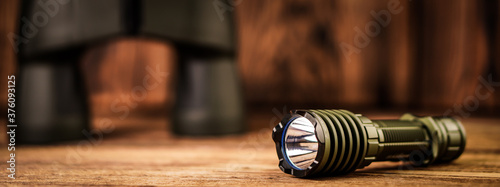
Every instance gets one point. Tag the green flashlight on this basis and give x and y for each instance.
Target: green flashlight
(334, 142)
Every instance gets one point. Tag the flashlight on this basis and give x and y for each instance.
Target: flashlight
(334, 142)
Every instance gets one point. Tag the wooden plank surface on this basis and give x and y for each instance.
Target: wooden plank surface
(139, 152)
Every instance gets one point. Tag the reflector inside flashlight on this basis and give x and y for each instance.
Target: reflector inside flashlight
(301, 144)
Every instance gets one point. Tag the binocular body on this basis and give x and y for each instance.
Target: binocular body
(53, 36)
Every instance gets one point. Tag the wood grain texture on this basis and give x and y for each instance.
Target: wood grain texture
(429, 55)
(288, 53)
(144, 153)
(8, 24)
(113, 69)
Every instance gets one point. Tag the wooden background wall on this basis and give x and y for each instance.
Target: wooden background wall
(429, 56)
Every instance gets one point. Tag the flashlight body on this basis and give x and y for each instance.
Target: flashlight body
(402, 140)
(348, 141)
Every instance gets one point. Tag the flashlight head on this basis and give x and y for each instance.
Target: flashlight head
(321, 142)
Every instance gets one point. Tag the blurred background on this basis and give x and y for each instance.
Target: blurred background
(429, 57)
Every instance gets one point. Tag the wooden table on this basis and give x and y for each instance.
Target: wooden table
(139, 152)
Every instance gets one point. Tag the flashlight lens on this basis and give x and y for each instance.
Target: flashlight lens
(301, 144)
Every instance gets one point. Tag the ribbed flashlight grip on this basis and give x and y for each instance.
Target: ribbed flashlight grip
(402, 140)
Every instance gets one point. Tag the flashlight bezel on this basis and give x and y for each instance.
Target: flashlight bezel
(284, 163)
(284, 146)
